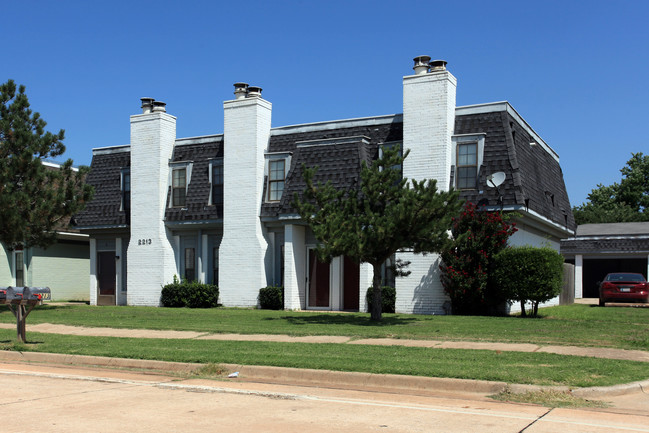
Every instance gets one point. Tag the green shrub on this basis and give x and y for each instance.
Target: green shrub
(388, 298)
(189, 294)
(271, 298)
(528, 274)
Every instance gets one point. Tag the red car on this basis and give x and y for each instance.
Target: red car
(623, 287)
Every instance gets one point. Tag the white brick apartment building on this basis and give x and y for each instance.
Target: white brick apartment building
(218, 208)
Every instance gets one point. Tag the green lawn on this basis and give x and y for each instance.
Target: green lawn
(579, 325)
(511, 367)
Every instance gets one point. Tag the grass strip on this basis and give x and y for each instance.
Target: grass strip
(577, 325)
(511, 367)
(549, 399)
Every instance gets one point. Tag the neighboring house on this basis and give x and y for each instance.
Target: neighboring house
(218, 208)
(598, 249)
(63, 266)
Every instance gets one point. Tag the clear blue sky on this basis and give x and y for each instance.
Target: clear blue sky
(577, 71)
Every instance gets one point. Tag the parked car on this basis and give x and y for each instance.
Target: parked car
(623, 287)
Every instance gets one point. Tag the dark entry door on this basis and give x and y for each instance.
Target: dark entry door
(351, 275)
(318, 282)
(106, 278)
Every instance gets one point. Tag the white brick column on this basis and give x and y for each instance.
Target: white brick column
(151, 262)
(366, 279)
(93, 271)
(428, 124)
(579, 276)
(243, 248)
(294, 267)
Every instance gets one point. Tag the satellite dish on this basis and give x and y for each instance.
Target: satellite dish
(496, 179)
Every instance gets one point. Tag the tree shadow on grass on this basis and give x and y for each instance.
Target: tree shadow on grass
(345, 319)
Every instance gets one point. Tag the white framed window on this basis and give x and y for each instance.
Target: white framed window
(467, 165)
(179, 179)
(467, 155)
(277, 166)
(179, 187)
(276, 177)
(391, 145)
(125, 188)
(216, 183)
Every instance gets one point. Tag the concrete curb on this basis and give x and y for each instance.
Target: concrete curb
(324, 378)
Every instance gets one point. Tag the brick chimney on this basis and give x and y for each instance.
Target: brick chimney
(150, 254)
(428, 121)
(246, 131)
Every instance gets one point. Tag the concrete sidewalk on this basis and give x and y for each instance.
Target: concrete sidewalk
(596, 352)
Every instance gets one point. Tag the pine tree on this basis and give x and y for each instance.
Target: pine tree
(34, 199)
(370, 223)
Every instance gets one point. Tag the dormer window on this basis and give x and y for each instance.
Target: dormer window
(216, 182)
(125, 187)
(276, 176)
(467, 165)
(179, 187)
(277, 165)
(467, 154)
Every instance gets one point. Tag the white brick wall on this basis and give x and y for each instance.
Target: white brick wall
(294, 267)
(243, 248)
(151, 262)
(428, 123)
(421, 292)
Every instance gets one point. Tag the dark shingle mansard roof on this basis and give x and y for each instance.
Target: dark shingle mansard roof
(105, 177)
(337, 153)
(200, 152)
(533, 175)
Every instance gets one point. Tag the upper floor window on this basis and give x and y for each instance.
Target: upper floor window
(216, 182)
(276, 176)
(467, 154)
(467, 165)
(179, 187)
(126, 190)
(389, 146)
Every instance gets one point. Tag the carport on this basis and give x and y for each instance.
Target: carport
(598, 249)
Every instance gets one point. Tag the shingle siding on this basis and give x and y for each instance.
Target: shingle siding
(105, 177)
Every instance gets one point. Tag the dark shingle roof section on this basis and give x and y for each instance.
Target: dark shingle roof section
(533, 177)
(497, 157)
(338, 162)
(605, 245)
(608, 238)
(541, 178)
(105, 177)
(198, 190)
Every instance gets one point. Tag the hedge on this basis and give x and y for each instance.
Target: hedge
(189, 294)
(388, 298)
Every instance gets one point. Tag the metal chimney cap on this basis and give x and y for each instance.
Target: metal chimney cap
(254, 92)
(159, 106)
(147, 105)
(438, 65)
(240, 90)
(421, 64)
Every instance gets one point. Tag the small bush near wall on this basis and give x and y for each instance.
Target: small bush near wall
(271, 298)
(528, 274)
(189, 294)
(388, 298)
